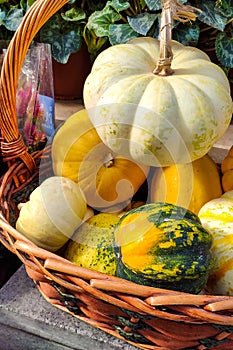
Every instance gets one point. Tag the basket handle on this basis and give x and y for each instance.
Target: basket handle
(12, 145)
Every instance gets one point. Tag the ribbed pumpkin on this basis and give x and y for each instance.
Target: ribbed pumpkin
(189, 185)
(157, 118)
(108, 180)
(163, 245)
(217, 217)
(227, 171)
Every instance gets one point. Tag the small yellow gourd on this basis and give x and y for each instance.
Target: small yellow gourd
(227, 171)
(188, 185)
(91, 245)
(54, 210)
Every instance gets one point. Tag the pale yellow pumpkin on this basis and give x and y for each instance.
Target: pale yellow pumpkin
(54, 210)
(154, 119)
(217, 217)
(189, 185)
(108, 181)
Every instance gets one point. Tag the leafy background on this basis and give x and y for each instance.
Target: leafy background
(121, 20)
(104, 23)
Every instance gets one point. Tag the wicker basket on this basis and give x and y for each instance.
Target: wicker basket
(146, 317)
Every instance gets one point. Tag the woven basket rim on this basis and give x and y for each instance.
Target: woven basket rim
(75, 289)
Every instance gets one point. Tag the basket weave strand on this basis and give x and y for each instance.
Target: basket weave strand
(146, 317)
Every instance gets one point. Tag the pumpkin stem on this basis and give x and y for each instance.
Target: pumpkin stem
(109, 160)
(171, 9)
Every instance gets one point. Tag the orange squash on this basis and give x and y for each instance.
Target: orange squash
(108, 180)
(188, 185)
(227, 171)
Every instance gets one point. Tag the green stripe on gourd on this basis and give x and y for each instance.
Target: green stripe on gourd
(91, 245)
(163, 245)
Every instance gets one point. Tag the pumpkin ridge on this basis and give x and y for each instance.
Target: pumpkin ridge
(170, 148)
(203, 137)
(143, 80)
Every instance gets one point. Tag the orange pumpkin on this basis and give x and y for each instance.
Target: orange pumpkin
(108, 181)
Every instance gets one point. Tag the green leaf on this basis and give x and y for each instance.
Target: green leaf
(24, 4)
(2, 17)
(119, 5)
(74, 15)
(187, 34)
(142, 4)
(225, 7)
(100, 21)
(30, 2)
(121, 33)
(142, 22)
(153, 5)
(211, 16)
(94, 44)
(13, 19)
(62, 45)
(224, 49)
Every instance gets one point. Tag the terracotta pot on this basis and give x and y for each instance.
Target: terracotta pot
(69, 78)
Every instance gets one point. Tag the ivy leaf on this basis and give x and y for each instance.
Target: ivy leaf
(225, 3)
(62, 45)
(119, 5)
(2, 17)
(225, 7)
(142, 22)
(74, 15)
(99, 21)
(224, 49)
(30, 2)
(121, 33)
(211, 16)
(153, 5)
(13, 19)
(187, 34)
(94, 44)
(142, 4)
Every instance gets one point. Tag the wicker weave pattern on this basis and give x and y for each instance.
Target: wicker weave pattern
(149, 318)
